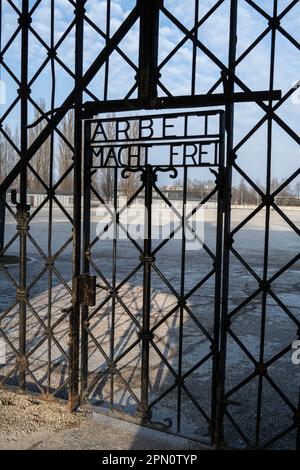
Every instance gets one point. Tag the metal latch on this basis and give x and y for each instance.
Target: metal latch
(85, 290)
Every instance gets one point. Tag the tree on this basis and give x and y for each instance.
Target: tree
(41, 160)
(242, 190)
(274, 184)
(65, 152)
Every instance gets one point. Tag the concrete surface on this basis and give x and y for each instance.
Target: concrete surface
(280, 330)
(27, 422)
(106, 433)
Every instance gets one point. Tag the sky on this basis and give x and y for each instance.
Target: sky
(176, 74)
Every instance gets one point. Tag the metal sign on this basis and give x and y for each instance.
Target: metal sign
(182, 139)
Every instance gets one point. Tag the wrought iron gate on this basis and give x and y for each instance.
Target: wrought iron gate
(171, 345)
(124, 61)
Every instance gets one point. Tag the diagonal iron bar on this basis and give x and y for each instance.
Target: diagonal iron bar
(69, 101)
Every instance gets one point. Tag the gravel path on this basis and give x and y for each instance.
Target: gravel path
(23, 417)
(30, 423)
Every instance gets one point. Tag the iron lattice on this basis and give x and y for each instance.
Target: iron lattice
(150, 69)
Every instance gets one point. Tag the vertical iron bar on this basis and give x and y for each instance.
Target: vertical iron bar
(218, 282)
(195, 48)
(86, 249)
(22, 212)
(182, 288)
(75, 311)
(106, 70)
(148, 178)
(50, 215)
(261, 368)
(113, 300)
(148, 51)
(114, 283)
(229, 110)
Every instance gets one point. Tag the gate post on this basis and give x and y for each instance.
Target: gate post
(77, 181)
(148, 178)
(22, 208)
(230, 156)
(148, 52)
(86, 250)
(216, 377)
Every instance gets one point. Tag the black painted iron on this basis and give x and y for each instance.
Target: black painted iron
(148, 92)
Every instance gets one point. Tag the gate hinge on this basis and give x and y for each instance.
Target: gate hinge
(85, 290)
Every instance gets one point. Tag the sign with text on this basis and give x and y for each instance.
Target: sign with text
(184, 139)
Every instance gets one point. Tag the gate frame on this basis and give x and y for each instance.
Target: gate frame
(148, 172)
(147, 99)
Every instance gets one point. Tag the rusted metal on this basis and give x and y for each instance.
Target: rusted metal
(85, 290)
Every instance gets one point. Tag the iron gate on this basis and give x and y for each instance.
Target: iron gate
(157, 370)
(131, 64)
